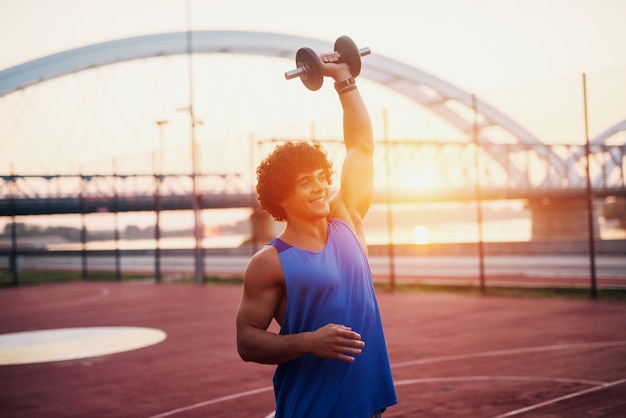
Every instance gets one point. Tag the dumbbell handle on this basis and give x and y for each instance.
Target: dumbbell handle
(296, 72)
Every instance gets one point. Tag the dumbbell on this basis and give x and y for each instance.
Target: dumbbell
(309, 65)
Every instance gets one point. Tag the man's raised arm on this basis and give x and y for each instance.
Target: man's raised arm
(357, 173)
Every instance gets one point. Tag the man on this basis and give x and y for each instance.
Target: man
(314, 278)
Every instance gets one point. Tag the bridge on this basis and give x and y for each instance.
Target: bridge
(499, 159)
(453, 172)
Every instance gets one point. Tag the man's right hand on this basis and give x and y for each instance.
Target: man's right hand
(336, 342)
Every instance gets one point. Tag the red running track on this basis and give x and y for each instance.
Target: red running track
(452, 355)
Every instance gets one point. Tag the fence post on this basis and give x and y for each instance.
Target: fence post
(479, 209)
(14, 256)
(83, 229)
(592, 250)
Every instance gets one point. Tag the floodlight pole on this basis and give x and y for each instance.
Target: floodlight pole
(14, 256)
(390, 247)
(479, 210)
(592, 251)
(116, 229)
(197, 204)
(158, 179)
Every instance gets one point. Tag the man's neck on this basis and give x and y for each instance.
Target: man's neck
(306, 234)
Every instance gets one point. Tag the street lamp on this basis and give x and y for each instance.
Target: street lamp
(158, 179)
(160, 124)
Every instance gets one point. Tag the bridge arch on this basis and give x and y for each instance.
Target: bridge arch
(444, 99)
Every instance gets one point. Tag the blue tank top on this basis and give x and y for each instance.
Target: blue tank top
(332, 286)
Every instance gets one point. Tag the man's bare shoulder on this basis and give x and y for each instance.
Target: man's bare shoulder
(266, 254)
(264, 265)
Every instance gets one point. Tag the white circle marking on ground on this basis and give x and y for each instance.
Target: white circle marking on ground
(73, 343)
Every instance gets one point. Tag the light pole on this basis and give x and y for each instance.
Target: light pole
(477, 191)
(160, 124)
(157, 197)
(196, 197)
(390, 247)
(197, 204)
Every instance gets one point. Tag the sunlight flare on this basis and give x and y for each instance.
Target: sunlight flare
(420, 235)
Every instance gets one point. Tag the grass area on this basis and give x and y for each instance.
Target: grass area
(31, 277)
(43, 277)
(37, 277)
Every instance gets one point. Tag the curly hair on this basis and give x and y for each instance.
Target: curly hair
(277, 173)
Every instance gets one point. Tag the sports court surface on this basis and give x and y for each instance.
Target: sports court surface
(168, 350)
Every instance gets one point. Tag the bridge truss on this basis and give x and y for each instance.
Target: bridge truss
(418, 172)
(523, 166)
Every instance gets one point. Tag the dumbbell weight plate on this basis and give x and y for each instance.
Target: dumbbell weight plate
(312, 77)
(349, 54)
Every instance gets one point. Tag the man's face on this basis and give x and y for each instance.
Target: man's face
(309, 198)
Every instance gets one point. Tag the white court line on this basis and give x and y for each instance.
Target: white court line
(436, 360)
(212, 401)
(433, 380)
(559, 399)
(102, 294)
(487, 378)
(508, 352)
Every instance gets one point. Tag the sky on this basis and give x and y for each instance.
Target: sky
(480, 44)
(525, 58)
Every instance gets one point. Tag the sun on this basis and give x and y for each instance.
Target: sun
(420, 235)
